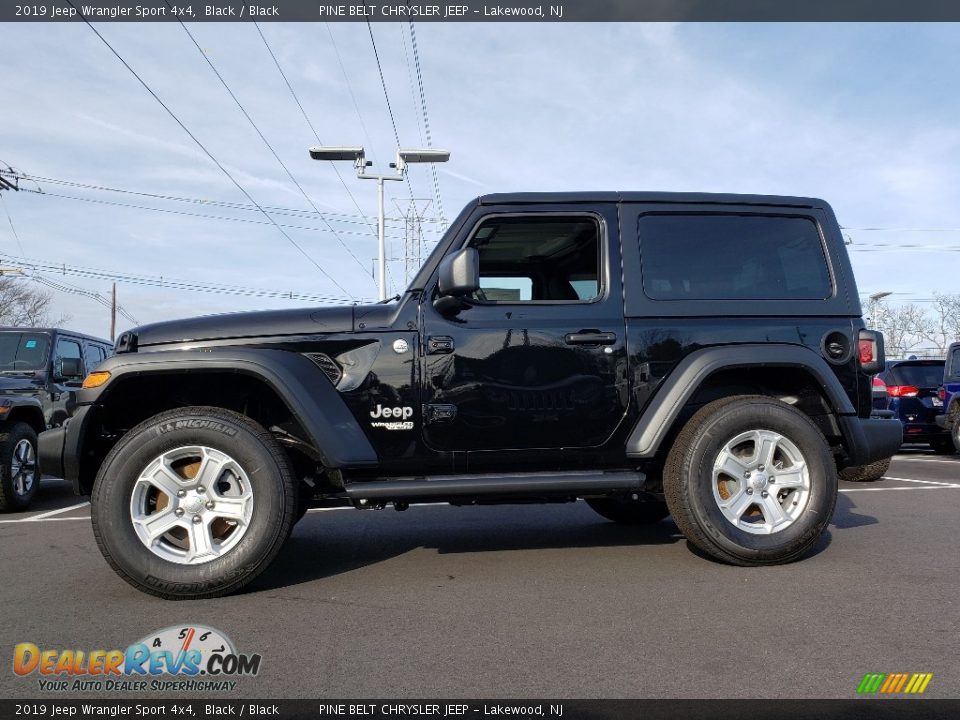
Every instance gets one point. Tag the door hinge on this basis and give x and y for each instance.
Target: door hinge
(439, 345)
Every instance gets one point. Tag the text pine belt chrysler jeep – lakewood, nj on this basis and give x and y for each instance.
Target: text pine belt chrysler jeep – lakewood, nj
(694, 355)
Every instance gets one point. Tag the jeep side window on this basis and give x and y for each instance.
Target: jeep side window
(538, 258)
(66, 349)
(732, 257)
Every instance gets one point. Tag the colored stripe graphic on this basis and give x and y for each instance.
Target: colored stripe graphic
(894, 683)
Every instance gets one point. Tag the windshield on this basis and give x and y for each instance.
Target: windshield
(23, 350)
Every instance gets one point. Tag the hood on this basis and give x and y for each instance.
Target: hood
(15, 384)
(236, 326)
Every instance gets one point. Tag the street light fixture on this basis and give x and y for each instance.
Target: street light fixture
(358, 156)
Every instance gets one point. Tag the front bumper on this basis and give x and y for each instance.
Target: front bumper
(61, 449)
(871, 439)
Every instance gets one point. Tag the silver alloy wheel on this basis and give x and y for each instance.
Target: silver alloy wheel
(761, 482)
(23, 467)
(191, 505)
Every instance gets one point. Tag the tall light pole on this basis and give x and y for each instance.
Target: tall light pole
(875, 299)
(360, 162)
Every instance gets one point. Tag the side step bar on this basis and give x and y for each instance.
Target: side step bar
(539, 483)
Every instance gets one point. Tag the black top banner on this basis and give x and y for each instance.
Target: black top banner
(193, 709)
(469, 11)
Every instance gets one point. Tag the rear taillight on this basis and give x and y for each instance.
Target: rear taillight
(879, 384)
(902, 390)
(941, 393)
(870, 351)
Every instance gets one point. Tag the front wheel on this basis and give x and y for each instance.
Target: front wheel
(750, 480)
(19, 469)
(193, 503)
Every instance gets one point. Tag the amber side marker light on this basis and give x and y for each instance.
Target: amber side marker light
(96, 379)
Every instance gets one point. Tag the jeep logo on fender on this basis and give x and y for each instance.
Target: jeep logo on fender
(397, 412)
(196, 425)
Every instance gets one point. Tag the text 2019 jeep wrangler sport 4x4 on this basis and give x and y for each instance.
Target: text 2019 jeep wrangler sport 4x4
(696, 355)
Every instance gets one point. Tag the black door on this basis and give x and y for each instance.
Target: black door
(536, 361)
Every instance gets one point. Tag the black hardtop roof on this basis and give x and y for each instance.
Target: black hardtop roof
(649, 196)
(58, 331)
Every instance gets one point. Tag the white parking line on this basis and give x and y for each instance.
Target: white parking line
(912, 458)
(925, 482)
(919, 487)
(46, 515)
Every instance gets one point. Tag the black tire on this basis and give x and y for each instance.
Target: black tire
(19, 480)
(943, 446)
(688, 481)
(866, 473)
(629, 513)
(257, 453)
(955, 434)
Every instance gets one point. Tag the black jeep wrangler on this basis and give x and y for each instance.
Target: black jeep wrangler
(695, 355)
(40, 370)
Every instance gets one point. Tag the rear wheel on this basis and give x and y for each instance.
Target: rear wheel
(19, 469)
(750, 480)
(193, 503)
(628, 512)
(866, 473)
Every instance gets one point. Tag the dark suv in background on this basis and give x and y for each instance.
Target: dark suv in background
(910, 390)
(40, 370)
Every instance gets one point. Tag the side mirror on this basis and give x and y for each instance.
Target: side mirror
(69, 369)
(460, 273)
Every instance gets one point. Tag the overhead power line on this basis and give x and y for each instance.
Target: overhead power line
(309, 123)
(166, 282)
(426, 118)
(204, 149)
(222, 218)
(74, 290)
(273, 210)
(266, 142)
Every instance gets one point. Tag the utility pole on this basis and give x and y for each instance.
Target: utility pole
(413, 220)
(113, 313)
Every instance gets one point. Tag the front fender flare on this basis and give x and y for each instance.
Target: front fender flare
(300, 384)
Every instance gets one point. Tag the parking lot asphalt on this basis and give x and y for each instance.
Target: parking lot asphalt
(532, 601)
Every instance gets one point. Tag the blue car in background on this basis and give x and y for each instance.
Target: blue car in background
(950, 396)
(911, 389)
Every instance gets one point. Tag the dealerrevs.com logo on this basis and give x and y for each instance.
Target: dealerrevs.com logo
(187, 658)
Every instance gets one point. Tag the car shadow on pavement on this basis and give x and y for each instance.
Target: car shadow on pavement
(319, 549)
(846, 516)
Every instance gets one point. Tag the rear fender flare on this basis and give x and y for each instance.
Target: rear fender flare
(683, 382)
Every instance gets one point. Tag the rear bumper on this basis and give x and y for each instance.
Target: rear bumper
(941, 421)
(871, 439)
(60, 448)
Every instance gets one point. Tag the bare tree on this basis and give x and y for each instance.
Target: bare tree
(24, 305)
(904, 327)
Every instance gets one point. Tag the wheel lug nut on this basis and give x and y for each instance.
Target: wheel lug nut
(749, 491)
(181, 493)
(764, 494)
(760, 468)
(772, 479)
(210, 505)
(201, 490)
(178, 512)
(746, 474)
(197, 519)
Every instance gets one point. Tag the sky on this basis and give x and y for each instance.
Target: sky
(862, 115)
